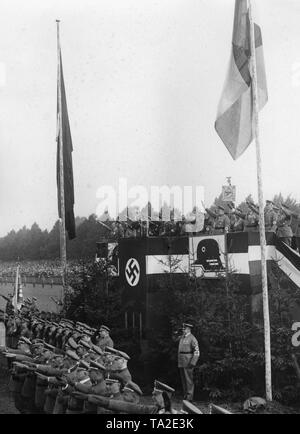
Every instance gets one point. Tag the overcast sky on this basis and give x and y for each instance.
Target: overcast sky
(143, 81)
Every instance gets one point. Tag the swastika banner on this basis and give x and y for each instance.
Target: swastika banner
(132, 272)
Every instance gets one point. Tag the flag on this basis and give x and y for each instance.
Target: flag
(64, 138)
(235, 112)
(18, 293)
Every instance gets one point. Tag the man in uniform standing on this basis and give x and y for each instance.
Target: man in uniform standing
(102, 338)
(284, 231)
(221, 221)
(270, 217)
(188, 355)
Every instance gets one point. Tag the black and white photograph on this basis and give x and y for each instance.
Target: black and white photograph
(150, 209)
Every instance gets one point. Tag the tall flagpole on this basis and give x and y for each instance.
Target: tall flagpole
(268, 373)
(63, 250)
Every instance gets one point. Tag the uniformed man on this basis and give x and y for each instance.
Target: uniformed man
(116, 365)
(284, 230)
(296, 225)
(251, 218)
(97, 387)
(221, 221)
(270, 217)
(161, 396)
(102, 338)
(238, 225)
(188, 355)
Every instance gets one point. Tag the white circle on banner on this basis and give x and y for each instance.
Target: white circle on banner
(132, 272)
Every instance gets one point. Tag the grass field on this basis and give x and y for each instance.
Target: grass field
(41, 293)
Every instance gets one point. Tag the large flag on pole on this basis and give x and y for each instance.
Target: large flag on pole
(64, 139)
(18, 293)
(235, 113)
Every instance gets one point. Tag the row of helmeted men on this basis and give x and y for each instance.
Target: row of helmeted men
(57, 368)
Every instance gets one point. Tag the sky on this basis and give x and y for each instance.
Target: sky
(143, 81)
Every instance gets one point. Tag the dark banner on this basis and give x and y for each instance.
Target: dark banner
(132, 272)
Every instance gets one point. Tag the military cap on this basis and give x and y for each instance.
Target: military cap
(34, 298)
(185, 324)
(161, 387)
(55, 324)
(97, 366)
(81, 324)
(38, 345)
(188, 407)
(103, 327)
(270, 202)
(87, 332)
(72, 355)
(117, 353)
(67, 323)
(133, 387)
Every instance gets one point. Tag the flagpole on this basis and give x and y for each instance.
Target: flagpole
(15, 297)
(267, 338)
(63, 250)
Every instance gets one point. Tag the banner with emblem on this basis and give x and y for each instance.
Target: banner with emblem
(208, 256)
(132, 272)
(229, 193)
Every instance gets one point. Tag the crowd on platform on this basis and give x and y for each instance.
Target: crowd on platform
(279, 219)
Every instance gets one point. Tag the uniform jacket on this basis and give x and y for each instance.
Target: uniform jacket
(284, 227)
(104, 342)
(270, 220)
(188, 351)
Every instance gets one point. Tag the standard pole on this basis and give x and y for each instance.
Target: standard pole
(267, 334)
(63, 249)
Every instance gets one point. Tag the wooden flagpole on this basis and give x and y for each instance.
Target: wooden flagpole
(267, 338)
(63, 249)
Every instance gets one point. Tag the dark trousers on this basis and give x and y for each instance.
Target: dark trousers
(187, 380)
